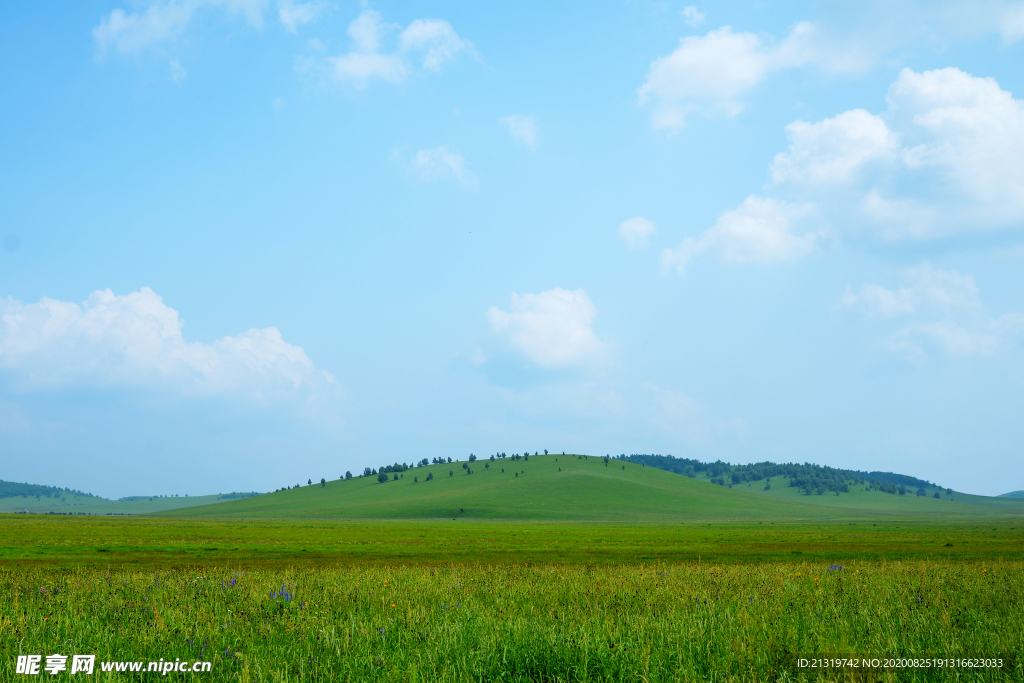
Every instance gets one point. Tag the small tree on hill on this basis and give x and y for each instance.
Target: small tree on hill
(323, 482)
(430, 475)
(382, 477)
(472, 458)
(348, 475)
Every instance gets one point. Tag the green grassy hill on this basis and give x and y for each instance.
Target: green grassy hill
(569, 487)
(1013, 494)
(75, 503)
(863, 497)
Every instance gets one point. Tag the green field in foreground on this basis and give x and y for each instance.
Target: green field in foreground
(574, 488)
(169, 542)
(460, 600)
(652, 621)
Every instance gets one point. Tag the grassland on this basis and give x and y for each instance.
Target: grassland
(576, 488)
(573, 570)
(861, 497)
(652, 621)
(158, 542)
(72, 504)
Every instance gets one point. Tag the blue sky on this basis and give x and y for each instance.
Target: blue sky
(247, 243)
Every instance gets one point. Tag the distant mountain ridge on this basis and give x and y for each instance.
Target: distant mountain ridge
(1012, 494)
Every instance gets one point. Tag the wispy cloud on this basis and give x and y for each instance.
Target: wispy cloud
(295, 14)
(432, 42)
(944, 314)
(636, 231)
(442, 163)
(552, 329)
(521, 128)
(927, 287)
(164, 21)
(692, 16)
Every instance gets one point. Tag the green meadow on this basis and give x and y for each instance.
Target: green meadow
(160, 542)
(632, 621)
(72, 504)
(560, 568)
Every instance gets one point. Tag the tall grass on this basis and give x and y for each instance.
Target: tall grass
(649, 622)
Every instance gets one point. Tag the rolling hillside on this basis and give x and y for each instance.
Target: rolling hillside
(45, 500)
(569, 487)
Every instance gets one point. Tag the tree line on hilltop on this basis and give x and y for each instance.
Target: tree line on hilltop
(811, 478)
(10, 489)
(396, 471)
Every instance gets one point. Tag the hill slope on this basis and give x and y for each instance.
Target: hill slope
(561, 487)
(47, 500)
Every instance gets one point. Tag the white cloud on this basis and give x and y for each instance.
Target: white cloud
(521, 128)
(932, 293)
(760, 229)
(135, 340)
(970, 19)
(949, 337)
(636, 231)
(706, 70)
(164, 21)
(927, 288)
(943, 160)
(835, 150)
(178, 73)
(692, 16)
(293, 15)
(552, 329)
(1011, 25)
(361, 67)
(367, 30)
(442, 163)
(711, 73)
(435, 39)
